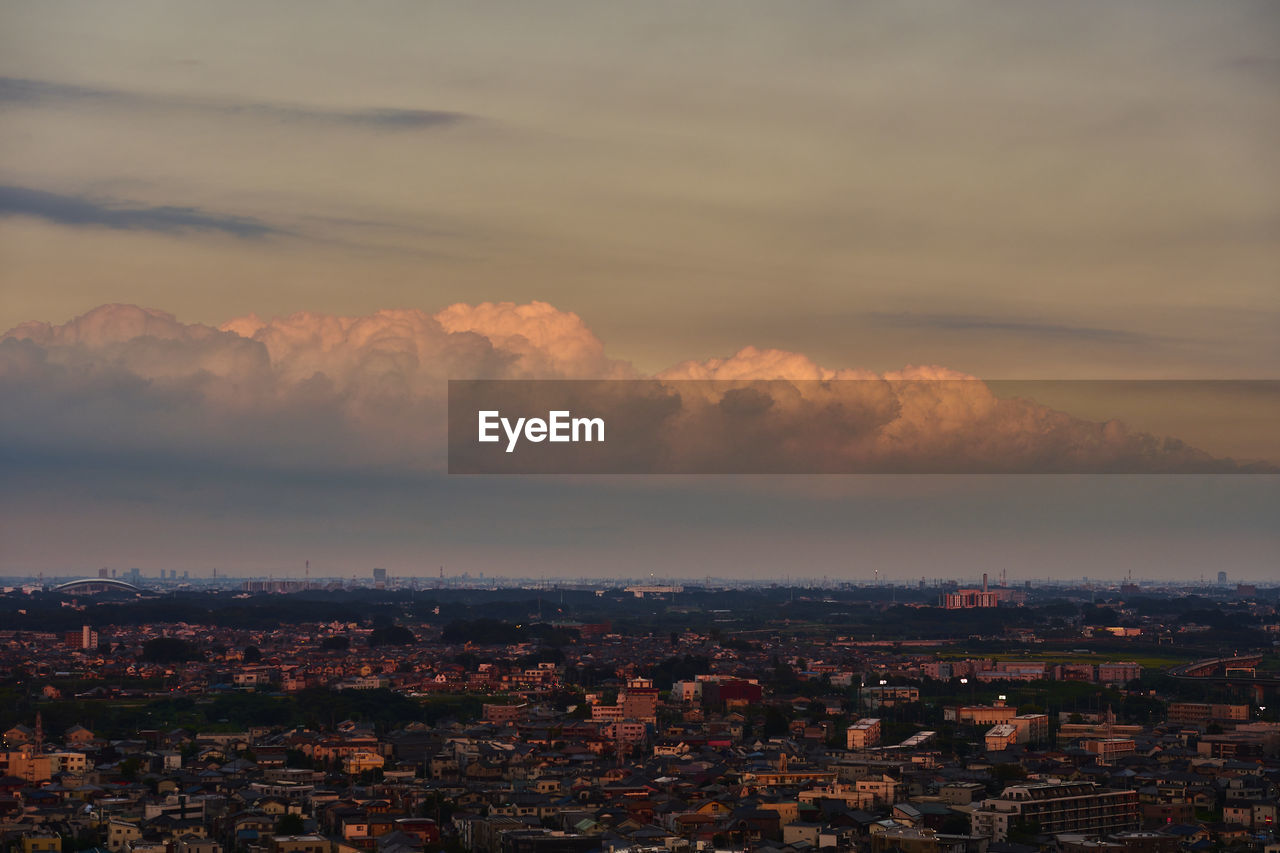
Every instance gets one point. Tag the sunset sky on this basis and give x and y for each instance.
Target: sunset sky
(1084, 190)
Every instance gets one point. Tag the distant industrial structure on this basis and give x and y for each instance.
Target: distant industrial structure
(642, 591)
(968, 599)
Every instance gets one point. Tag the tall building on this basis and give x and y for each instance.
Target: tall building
(85, 638)
(1055, 807)
(639, 700)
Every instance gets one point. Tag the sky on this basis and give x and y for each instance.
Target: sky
(297, 193)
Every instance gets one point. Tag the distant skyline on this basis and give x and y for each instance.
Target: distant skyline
(303, 217)
(544, 583)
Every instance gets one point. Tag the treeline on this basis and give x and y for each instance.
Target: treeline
(491, 617)
(314, 708)
(495, 632)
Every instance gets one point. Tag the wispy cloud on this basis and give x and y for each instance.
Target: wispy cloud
(83, 211)
(31, 92)
(975, 323)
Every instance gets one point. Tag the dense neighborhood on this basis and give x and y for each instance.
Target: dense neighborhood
(474, 735)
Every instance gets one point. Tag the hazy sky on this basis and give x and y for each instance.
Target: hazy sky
(1047, 190)
(1043, 189)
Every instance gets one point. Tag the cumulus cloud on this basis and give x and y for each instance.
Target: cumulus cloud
(305, 389)
(318, 391)
(752, 363)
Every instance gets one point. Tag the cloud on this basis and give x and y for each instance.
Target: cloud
(318, 392)
(549, 343)
(28, 92)
(753, 363)
(303, 391)
(82, 211)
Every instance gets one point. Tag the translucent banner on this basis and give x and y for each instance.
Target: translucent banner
(857, 426)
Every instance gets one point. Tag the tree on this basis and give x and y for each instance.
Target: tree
(297, 758)
(775, 722)
(483, 632)
(1008, 772)
(252, 654)
(290, 824)
(129, 768)
(169, 650)
(392, 635)
(335, 644)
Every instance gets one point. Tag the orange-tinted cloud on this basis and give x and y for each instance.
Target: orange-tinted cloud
(321, 390)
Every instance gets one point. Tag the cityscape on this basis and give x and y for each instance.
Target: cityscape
(398, 715)
(583, 426)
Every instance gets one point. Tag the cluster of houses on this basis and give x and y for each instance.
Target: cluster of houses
(640, 773)
(727, 755)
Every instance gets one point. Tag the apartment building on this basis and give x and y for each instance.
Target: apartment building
(1200, 713)
(1001, 737)
(1032, 728)
(1111, 748)
(1055, 807)
(981, 715)
(1119, 672)
(863, 734)
(886, 696)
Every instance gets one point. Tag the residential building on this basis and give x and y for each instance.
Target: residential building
(1055, 807)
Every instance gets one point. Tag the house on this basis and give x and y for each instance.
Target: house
(121, 834)
(19, 735)
(41, 842)
(78, 735)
